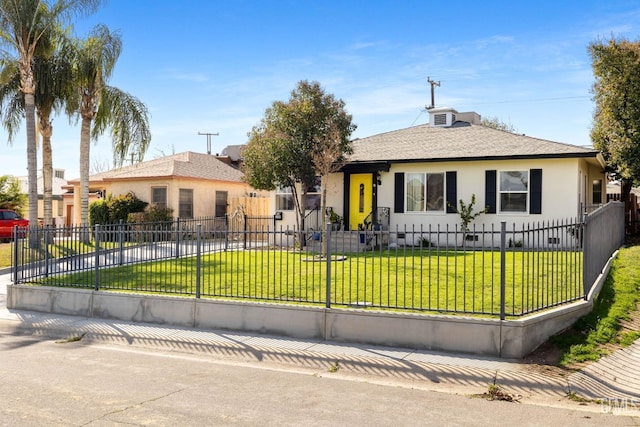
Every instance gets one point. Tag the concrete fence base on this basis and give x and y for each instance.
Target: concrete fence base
(492, 337)
(508, 338)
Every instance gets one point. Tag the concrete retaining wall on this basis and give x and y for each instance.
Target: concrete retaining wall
(508, 338)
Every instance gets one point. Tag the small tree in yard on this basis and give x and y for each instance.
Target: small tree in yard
(297, 140)
(467, 215)
(329, 157)
(11, 195)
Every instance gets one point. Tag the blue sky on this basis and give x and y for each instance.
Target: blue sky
(215, 66)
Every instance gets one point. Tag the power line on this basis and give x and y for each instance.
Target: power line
(420, 114)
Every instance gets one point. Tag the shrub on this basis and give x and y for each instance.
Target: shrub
(113, 210)
(99, 213)
(120, 207)
(152, 213)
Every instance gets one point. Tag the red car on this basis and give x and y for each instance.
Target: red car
(8, 220)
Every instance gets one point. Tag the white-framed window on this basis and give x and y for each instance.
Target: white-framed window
(514, 191)
(284, 199)
(185, 207)
(425, 192)
(159, 197)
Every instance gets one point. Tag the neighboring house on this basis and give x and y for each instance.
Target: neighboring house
(232, 155)
(415, 177)
(58, 190)
(192, 184)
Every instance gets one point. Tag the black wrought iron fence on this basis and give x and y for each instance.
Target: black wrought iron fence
(496, 270)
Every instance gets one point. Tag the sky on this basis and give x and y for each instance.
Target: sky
(214, 66)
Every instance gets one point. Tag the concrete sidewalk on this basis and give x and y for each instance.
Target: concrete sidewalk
(614, 378)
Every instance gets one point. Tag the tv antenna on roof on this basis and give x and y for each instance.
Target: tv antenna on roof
(433, 84)
(209, 135)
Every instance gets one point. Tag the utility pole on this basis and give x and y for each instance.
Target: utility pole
(433, 96)
(209, 135)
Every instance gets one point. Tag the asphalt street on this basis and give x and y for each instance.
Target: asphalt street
(66, 370)
(47, 382)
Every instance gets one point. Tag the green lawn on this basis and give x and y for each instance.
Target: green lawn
(460, 281)
(5, 255)
(590, 337)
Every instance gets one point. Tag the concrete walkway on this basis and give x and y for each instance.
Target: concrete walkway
(613, 379)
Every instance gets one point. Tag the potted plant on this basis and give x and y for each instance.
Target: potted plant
(336, 220)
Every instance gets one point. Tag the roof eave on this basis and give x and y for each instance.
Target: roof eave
(481, 158)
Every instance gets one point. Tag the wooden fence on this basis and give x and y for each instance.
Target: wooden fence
(632, 212)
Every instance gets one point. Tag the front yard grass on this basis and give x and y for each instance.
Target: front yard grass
(596, 334)
(5, 255)
(426, 280)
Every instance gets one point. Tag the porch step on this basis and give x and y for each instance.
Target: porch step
(349, 241)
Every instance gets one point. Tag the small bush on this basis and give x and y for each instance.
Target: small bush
(152, 213)
(153, 224)
(115, 209)
(120, 207)
(99, 213)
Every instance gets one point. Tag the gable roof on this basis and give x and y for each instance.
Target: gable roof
(465, 142)
(182, 165)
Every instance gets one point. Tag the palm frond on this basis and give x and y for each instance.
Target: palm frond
(128, 120)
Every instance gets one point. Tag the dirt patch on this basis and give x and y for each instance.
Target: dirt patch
(546, 354)
(545, 359)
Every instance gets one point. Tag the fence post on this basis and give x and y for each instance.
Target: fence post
(503, 266)
(15, 253)
(96, 263)
(244, 233)
(226, 232)
(47, 228)
(198, 252)
(120, 243)
(328, 272)
(178, 237)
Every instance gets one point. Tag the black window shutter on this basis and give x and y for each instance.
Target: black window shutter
(452, 192)
(490, 191)
(398, 203)
(535, 197)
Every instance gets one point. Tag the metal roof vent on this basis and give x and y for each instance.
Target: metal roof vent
(442, 116)
(440, 120)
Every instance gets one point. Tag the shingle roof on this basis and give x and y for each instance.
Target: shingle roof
(184, 165)
(426, 143)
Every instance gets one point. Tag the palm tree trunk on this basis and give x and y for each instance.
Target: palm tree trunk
(32, 161)
(85, 140)
(47, 170)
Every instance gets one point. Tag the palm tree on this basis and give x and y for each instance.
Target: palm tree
(101, 107)
(53, 82)
(53, 79)
(22, 25)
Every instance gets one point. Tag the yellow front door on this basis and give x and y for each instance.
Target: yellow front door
(360, 199)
